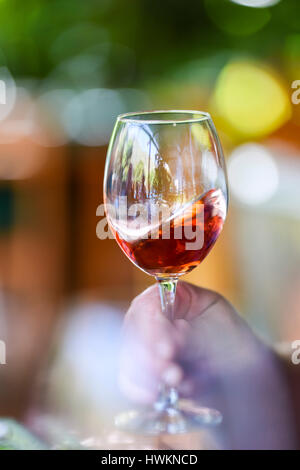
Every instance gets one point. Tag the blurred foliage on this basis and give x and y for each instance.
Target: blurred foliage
(139, 39)
(13, 436)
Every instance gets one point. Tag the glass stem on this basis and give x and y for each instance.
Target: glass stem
(168, 396)
(167, 291)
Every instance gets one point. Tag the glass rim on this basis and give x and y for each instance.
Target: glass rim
(134, 117)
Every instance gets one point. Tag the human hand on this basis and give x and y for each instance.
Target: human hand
(208, 352)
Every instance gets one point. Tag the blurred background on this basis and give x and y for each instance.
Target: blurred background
(68, 68)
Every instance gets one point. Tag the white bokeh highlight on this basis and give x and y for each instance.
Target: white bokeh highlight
(253, 174)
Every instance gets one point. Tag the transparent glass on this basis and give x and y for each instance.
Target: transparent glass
(165, 195)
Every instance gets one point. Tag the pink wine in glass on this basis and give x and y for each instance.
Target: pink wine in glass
(167, 256)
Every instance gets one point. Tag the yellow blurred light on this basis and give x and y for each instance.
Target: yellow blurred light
(201, 135)
(251, 99)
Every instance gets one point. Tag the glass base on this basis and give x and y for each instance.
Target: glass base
(185, 417)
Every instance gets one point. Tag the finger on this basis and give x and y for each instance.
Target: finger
(138, 378)
(140, 363)
(183, 331)
(145, 320)
(146, 324)
(146, 391)
(135, 391)
(193, 301)
(190, 301)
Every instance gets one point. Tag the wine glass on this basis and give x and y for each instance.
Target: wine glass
(165, 196)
